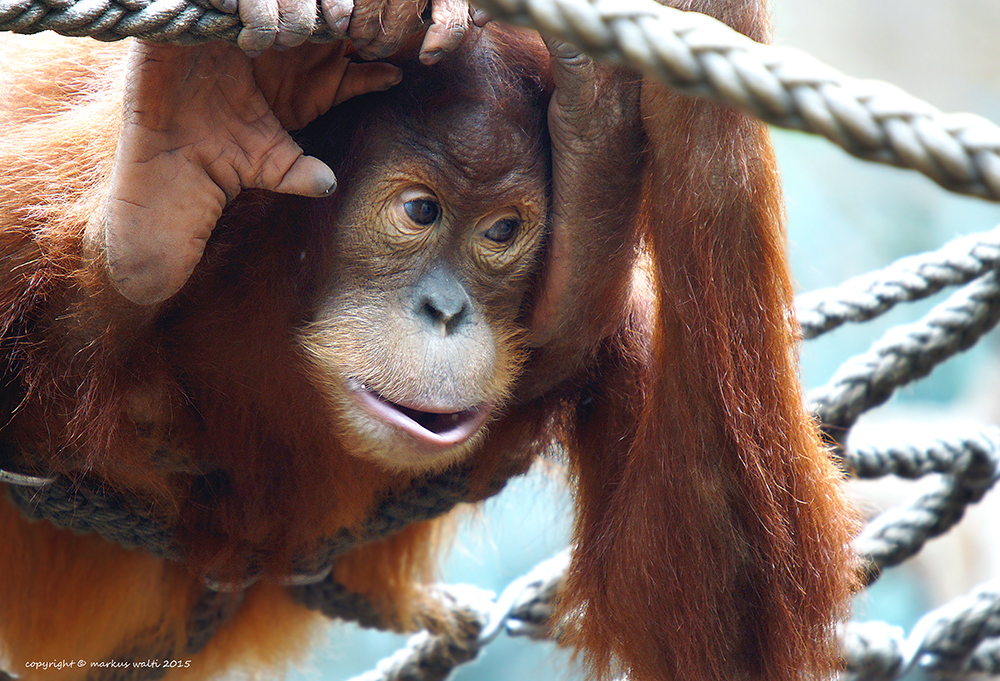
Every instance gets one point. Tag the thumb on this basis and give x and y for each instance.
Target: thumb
(281, 166)
(307, 176)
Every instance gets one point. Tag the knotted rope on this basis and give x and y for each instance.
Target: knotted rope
(83, 507)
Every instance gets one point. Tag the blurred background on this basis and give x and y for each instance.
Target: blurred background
(845, 217)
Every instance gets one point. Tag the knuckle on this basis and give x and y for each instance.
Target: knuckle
(256, 38)
(454, 27)
(293, 30)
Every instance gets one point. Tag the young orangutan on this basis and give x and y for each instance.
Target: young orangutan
(257, 347)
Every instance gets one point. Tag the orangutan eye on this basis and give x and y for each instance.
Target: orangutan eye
(504, 230)
(422, 211)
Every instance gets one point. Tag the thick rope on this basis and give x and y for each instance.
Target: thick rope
(703, 57)
(470, 619)
(962, 636)
(81, 507)
(131, 661)
(689, 51)
(906, 353)
(431, 656)
(970, 466)
(909, 279)
(955, 456)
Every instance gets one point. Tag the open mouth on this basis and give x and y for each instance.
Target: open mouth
(436, 427)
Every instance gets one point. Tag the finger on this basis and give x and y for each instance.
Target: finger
(480, 17)
(570, 66)
(363, 78)
(398, 20)
(226, 6)
(450, 23)
(296, 20)
(366, 20)
(307, 176)
(260, 25)
(150, 260)
(574, 75)
(338, 15)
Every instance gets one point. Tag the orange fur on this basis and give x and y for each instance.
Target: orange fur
(712, 540)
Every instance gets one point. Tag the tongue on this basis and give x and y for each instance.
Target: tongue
(439, 424)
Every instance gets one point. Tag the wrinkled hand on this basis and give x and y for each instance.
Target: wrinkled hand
(200, 124)
(376, 28)
(597, 141)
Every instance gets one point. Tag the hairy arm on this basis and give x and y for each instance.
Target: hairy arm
(597, 164)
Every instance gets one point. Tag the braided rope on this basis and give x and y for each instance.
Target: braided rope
(336, 602)
(909, 279)
(80, 508)
(963, 636)
(77, 506)
(431, 656)
(906, 353)
(524, 609)
(689, 51)
(970, 466)
(184, 22)
(915, 460)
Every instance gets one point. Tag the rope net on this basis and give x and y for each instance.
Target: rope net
(871, 120)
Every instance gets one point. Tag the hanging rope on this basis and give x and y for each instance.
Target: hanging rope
(79, 506)
(968, 466)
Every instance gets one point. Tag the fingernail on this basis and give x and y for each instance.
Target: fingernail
(432, 57)
(253, 54)
(331, 189)
(343, 24)
(480, 18)
(229, 6)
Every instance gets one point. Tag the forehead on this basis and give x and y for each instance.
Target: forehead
(477, 151)
(474, 152)
(472, 126)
